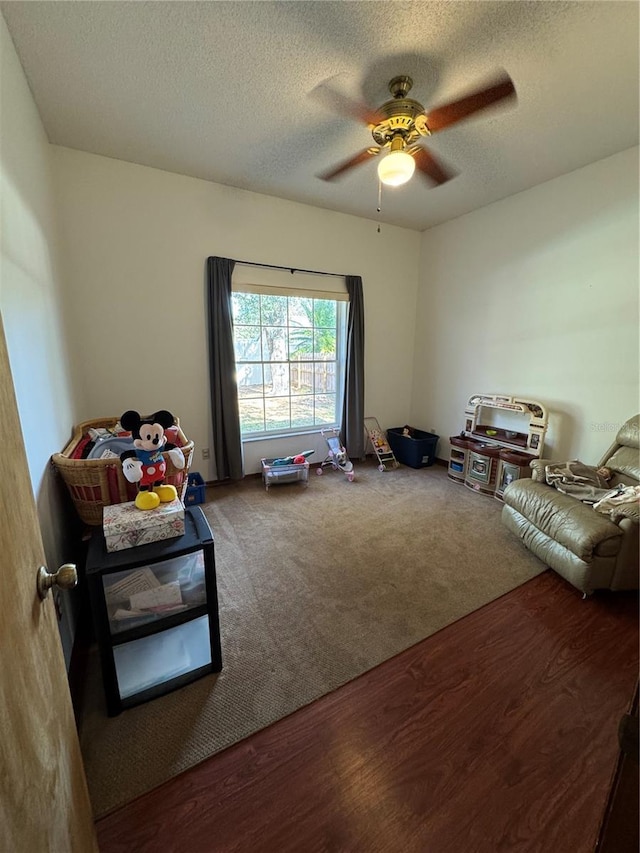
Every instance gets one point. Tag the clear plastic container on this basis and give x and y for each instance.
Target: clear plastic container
(149, 593)
(158, 658)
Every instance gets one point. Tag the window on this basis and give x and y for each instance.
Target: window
(290, 351)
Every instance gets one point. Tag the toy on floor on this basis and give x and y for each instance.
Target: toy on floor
(384, 453)
(287, 469)
(337, 457)
(145, 464)
(296, 459)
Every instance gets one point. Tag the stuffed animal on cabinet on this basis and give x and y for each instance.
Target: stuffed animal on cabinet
(145, 464)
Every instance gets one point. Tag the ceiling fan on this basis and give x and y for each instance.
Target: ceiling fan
(399, 124)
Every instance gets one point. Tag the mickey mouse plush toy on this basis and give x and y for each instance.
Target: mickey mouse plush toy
(145, 464)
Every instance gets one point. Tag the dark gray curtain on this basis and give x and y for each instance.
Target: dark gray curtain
(352, 427)
(227, 445)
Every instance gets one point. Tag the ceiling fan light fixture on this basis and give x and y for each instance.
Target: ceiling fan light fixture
(396, 168)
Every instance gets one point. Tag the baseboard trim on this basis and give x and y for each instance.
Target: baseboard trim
(213, 483)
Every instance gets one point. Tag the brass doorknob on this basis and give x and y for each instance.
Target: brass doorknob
(66, 577)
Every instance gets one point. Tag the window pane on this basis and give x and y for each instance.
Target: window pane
(276, 379)
(326, 409)
(301, 311)
(245, 308)
(325, 344)
(251, 415)
(324, 313)
(276, 414)
(274, 343)
(301, 373)
(249, 379)
(302, 411)
(274, 310)
(300, 342)
(246, 341)
(324, 377)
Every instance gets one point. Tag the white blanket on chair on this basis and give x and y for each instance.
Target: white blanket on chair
(624, 500)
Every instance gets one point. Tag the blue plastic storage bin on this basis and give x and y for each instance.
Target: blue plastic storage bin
(417, 450)
(196, 490)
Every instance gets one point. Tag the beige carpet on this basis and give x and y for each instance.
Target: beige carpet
(316, 586)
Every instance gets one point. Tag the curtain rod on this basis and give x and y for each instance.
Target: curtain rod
(291, 269)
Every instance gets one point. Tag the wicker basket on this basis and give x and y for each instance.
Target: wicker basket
(95, 483)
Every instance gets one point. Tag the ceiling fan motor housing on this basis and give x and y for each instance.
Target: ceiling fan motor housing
(400, 117)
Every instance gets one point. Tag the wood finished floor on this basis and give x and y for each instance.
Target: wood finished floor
(498, 733)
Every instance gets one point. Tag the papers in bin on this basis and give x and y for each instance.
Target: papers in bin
(162, 598)
(144, 594)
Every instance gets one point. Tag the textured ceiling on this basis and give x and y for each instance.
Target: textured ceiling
(220, 90)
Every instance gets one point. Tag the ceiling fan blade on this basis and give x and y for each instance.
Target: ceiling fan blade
(340, 103)
(356, 160)
(456, 111)
(431, 167)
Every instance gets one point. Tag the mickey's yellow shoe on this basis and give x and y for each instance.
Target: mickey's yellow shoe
(147, 500)
(166, 492)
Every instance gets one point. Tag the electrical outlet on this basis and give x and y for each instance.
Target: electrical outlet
(205, 453)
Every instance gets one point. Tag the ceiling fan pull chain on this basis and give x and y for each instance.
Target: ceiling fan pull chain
(379, 202)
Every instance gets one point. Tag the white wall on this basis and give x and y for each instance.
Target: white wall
(537, 296)
(30, 303)
(135, 242)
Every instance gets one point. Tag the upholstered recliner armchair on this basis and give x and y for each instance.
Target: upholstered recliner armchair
(590, 550)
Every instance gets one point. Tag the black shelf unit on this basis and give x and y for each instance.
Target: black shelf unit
(151, 654)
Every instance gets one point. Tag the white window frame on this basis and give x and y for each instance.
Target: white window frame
(336, 291)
